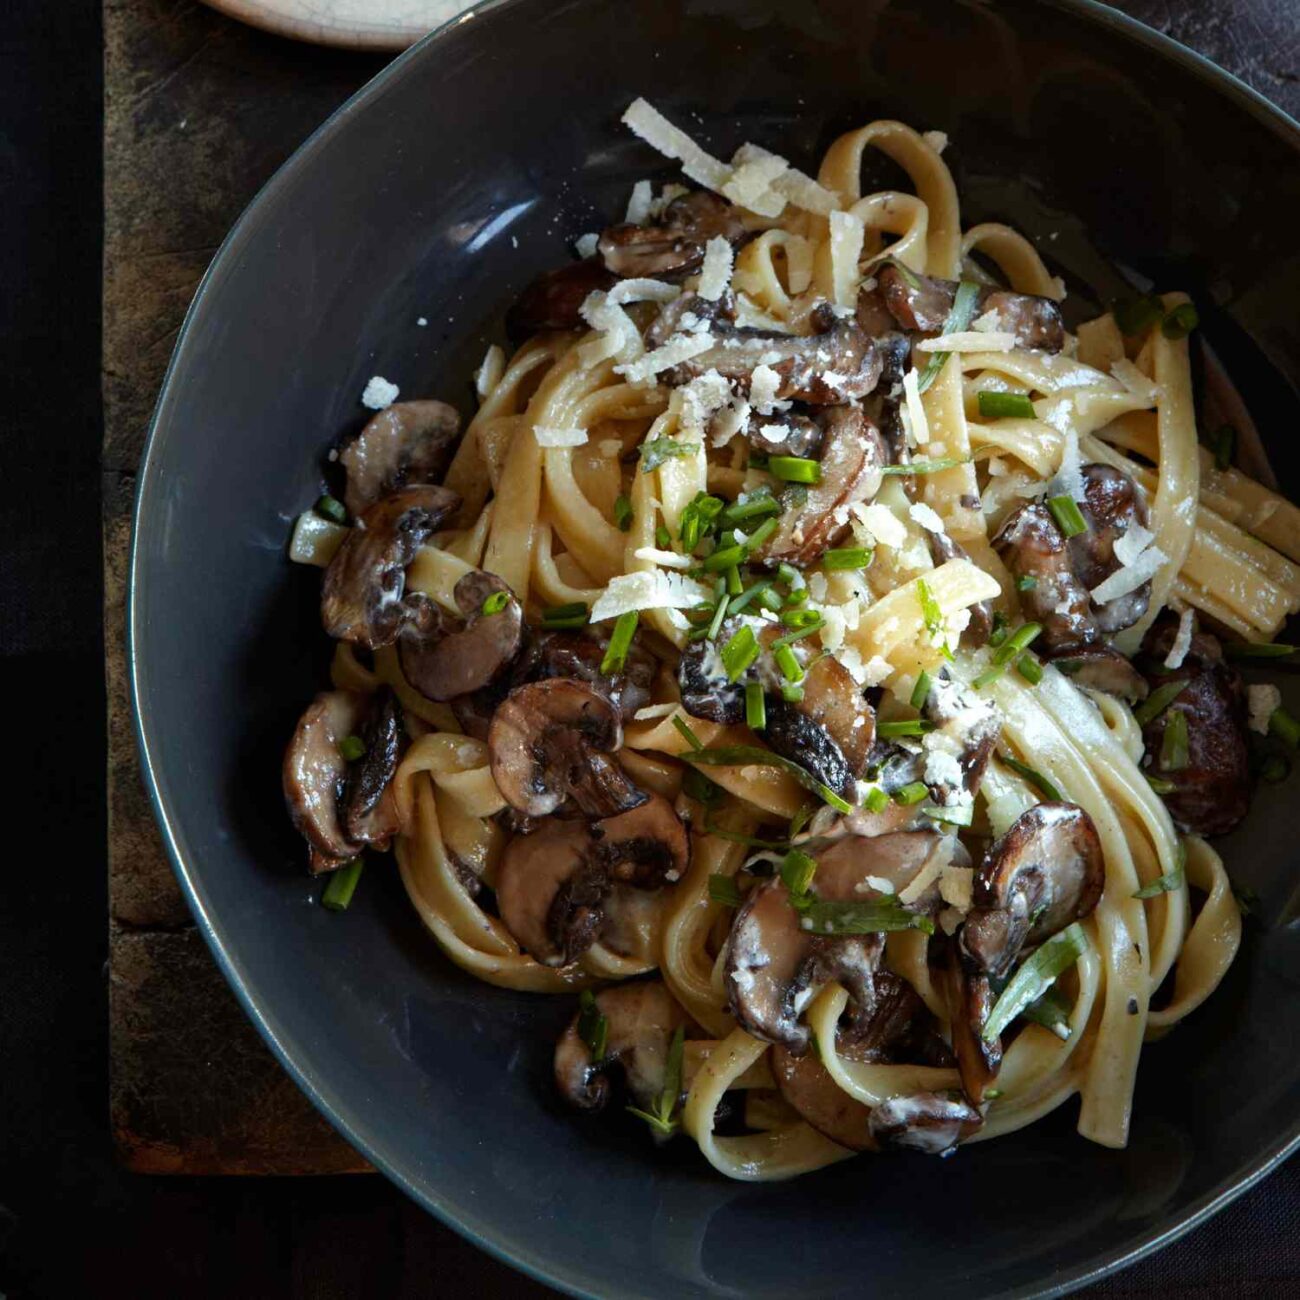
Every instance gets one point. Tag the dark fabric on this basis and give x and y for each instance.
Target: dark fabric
(71, 1223)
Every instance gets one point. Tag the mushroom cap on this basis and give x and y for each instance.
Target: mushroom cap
(706, 691)
(549, 893)
(675, 247)
(1111, 506)
(807, 1085)
(1102, 668)
(925, 1122)
(314, 772)
(642, 1019)
(443, 664)
(647, 846)
(369, 807)
(853, 458)
(970, 999)
(361, 596)
(406, 443)
(1046, 871)
(554, 300)
(547, 746)
(786, 433)
(720, 311)
(579, 655)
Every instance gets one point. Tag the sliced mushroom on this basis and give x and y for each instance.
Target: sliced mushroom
(1111, 506)
(897, 857)
(554, 300)
(339, 807)
(816, 518)
(442, 664)
(766, 949)
(970, 1000)
(689, 313)
(841, 364)
(675, 247)
(1045, 872)
(921, 302)
(549, 892)
(1100, 668)
(786, 433)
(924, 1122)
(548, 746)
(896, 1027)
(642, 1019)
(361, 597)
(404, 444)
(829, 731)
(706, 691)
(807, 1085)
(646, 847)
(1211, 793)
(579, 654)
(942, 549)
(1032, 547)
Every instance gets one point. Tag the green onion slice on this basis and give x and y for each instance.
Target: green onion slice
(1170, 881)
(797, 871)
(755, 709)
(1180, 322)
(620, 641)
(903, 727)
(1035, 976)
(622, 514)
(685, 728)
(1030, 669)
(342, 885)
(1284, 727)
(1257, 649)
(848, 557)
(1002, 406)
(331, 508)
(876, 801)
(1158, 701)
(1069, 518)
(739, 652)
(496, 602)
(921, 691)
(1138, 314)
(912, 792)
(352, 748)
(575, 615)
(1033, 776)
(1173, 744)
(724, 890)
(794, 469)
(825, 916)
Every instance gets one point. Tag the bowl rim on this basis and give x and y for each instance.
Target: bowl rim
(495, 1242)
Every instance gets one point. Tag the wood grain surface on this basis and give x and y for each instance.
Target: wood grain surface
(200, 111)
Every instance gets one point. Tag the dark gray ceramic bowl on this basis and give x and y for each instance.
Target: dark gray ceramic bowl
(438, 192)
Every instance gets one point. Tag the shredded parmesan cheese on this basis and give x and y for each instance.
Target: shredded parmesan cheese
(1262, 701)
(973, 340)
(616, 332)
(715, 274)
(669, 559)
(955, 885)
(750, 185)
(930, 871)
(801, 190)
(763, 388)
(937, 140)
(585, 245)
(379, 393)
(638, 204)
(642, 290)
(679, 348)
(659, 133)
(652, 712)
(647, 589)
(915, 424)
(926, 516)
(1134, 541)
(881, 522)
(550, 436)
(1182, 640)
(1129, 577)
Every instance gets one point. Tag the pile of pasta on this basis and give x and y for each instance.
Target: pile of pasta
(542, 518)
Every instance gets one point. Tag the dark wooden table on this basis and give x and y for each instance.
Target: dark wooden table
(198, 113)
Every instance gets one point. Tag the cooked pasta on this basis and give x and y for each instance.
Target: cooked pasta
(814, 657)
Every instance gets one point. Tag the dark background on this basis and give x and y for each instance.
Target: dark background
(71, 1222)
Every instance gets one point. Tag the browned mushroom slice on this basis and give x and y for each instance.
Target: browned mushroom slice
(314, 772)
(1111, 506)
(369, 806)
(816, 518)
(549, 892)
(967, 725)
(1212, 792)
(675, 247)
(1032, 547)
(895, 1026)
(970, 999)
(808, 1086)
(1101, 668)
(942, 549)
(1045, 872)
(896, 857)
(689, 312)
(642, 1019)
(647, 846)
(924, 1122)
(921, 302)
(706, 691)
(442, 664)
(839, 365)
(406, 443)
(361, 597)
(554, 300)
(548, 746)
(579, 655)
(829, 731)
(786, 434)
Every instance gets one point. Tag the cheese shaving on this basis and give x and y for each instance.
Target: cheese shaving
(379, 393)
(653, 712)
(930, 871)
(647, 589)
(1262, 700)
(846, 236)
(704, 395)
(638, 204)
(1182, 640)
(550, 436)
(801, 190)
(937, 140)
(915, 424)
(763, 388)
(973, 340)
(1129, 577)
(883, 525)
(750, 185)
(659, 133)
(927, 517)
(642, 290)
(616, 332)
(679, 348)
(715, 274)
(585, 245)
(1134, 541)
(1069, 477)
(956, 885)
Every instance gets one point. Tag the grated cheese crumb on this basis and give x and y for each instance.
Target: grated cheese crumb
(616, 334)
(548, 435)
(764, 385)
(715, 274)
(638, 204)
(955, 886)
(882, 524)
(642, 290)
(704, 395)
(679, 348)
(1262, 701)
(379, 393)
(750, 185)
(1182, 640)
(585, 245)
(937, 140)
(647, 589)
(927, 517)
(800, 189)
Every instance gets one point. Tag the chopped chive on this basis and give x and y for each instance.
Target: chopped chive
(1030, 669)
(958, 814)
(797, 871)
(752, 592)
(1051, 1011)
(1173, 744)
(698, 519)
(1158, 701)
(697, 786)
(1002, 406)
(733, 582)
(918, 467)
(959, 316)
(1224, 443)
(791, 692)
(931, 610)
(719, 609)
(1159, 785)
(797, 635)
(593, 1026)
(661, 1118)
(771, 600)
(794, 469)
(1275, 768)
(759, 535)
(912, 792)
(688, 735)
(1180, 322)
(739, 652)
(1001, 629)
(1137, 314)
(988, 676)
(663, 538)
(825, 916)
(352, 748)
(724, 890)
(790, 667)
(801, 819)
(876, 801)
(921, 691)
(1033, 776)
(904, 727)
(496, 602)
(1027, 582)
(657, 450)
(1035, 976)
(791, 576)
(342, 885)
(847, 557)
(752, 755)
(1170, 881)
(1069, 518)
(622, 514)
(331, 508)
(1284, 727)
(735, 837)
(801, 618)
(620, 642)
(575, 615)
(1257, 649)
(1020, 640)
(755, 506)
(726, 557)
(755, 709)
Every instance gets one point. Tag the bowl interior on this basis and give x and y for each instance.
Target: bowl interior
(451, 180)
